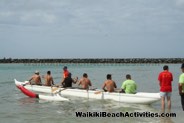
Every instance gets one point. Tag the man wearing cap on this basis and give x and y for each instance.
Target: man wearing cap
(181, 86)
(35, 79)
(65, 74)
(67, 82)
(165, 78)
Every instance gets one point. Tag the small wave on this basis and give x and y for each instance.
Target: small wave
(6, 82)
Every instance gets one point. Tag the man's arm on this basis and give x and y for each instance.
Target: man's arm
(180, 84)
(103, 87)
(90, 83)
(30, 80)
(115, 85)
(123, 86)
(40, 80)
(135, 86)
(75, 80)
(159, 79)
(171, 77)
(80, 81)
(63, 81)
(180, 88)
(52, 81)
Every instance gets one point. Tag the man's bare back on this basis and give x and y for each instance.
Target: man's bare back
(85, 82)
(48, 80)
(35, 79)
(109, 84)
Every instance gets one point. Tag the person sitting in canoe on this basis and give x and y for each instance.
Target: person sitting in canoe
(48, 79)
(67, 82)
(109, 85)
(129, 86)
(65, 72)
(85, 82)
(35, 79)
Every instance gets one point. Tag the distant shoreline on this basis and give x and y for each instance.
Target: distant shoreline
(95, 60)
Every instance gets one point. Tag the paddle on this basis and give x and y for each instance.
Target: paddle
(116, 91)
(99, 92)
(25, 83)
(53, 89)
(56, 90)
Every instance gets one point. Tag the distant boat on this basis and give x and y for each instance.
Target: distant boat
(138, 98)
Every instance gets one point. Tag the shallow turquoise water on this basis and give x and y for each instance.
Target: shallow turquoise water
(16, 107)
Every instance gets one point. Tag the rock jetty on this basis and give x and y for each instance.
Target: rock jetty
(95, 60)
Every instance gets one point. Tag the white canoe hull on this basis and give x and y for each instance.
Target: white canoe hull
(138, 98)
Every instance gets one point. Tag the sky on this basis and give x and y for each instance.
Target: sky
(92, 28)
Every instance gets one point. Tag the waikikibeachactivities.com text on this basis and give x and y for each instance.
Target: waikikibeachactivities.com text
(123, 114)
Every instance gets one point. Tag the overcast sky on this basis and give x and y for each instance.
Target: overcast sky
(91, 28)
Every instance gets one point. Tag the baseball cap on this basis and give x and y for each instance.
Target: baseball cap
(36, 72)
(65, 67)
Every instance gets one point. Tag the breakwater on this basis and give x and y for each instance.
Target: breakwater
(96, 60)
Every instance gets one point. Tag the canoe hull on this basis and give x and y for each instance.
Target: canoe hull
(138, 98)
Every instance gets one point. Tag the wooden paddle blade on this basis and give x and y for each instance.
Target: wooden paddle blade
(54, 89)
(98, 92)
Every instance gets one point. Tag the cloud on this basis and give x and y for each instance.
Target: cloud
(38, 18)
(20, 12)
(93, 17)
(180, 2)
(95, 25)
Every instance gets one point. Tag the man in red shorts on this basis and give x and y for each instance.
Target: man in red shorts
(165, 78)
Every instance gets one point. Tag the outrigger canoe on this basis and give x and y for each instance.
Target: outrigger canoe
(55, 97)
(138, 98)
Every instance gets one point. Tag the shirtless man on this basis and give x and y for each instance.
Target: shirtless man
(35, 79)
(109, 84)
(48, 79)
(85, 82)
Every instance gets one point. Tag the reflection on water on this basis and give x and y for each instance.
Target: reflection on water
(66, 110)
(166, 120)
(27, 100)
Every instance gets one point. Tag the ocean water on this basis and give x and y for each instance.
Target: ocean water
(17, 108)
